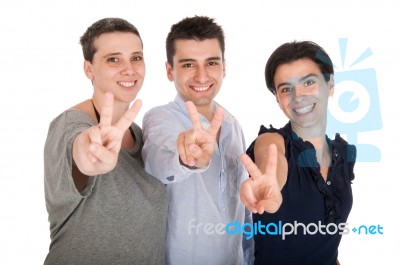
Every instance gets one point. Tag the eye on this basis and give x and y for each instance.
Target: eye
(309, 82)
(187, 65)
(137, 58)
(113, 60)
(213, 63)
(285, 90)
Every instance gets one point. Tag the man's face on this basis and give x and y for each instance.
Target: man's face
(198, 70)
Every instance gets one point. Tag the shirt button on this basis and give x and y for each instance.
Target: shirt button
(328, 183)
(222, 170)
(222, 190)
(224, 209)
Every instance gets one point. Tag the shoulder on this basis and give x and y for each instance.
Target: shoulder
(169, 116)
(272, 135)
(164, 110)
(230, 121)
(228, 117)
(71, 117)
(81, 112)
(66, 126)
(348, 151)
(266, 137)
(269, 138)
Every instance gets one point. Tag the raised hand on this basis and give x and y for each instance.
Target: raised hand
(96, 150)
(261, 192)
(196, 145)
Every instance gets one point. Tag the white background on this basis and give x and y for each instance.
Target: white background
(41, 74)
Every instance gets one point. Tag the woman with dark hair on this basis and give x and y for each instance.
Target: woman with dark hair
(300, 183)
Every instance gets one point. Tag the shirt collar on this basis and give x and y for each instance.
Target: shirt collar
(181, 104)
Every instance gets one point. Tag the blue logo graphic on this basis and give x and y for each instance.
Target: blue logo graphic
(285, 229)
(355, 106)
(368, 230)
(297, 228)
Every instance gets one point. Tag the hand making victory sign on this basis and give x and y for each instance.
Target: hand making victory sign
(196, 145)
(95, 151)
(261, 192)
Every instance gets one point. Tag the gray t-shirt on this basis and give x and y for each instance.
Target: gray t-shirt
(119, 218)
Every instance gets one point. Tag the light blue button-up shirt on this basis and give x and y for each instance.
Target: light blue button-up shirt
(201, 202)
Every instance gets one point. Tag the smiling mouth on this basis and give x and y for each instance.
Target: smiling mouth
(200, 88)
(305, 109)
(127, 84)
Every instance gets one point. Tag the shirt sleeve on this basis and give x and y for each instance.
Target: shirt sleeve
(62, 196)
(160, 155)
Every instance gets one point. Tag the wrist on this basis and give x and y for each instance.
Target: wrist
(187, 166)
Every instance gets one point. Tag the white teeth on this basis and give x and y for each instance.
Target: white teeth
(126, 84)
(201, 88)
(304, 109)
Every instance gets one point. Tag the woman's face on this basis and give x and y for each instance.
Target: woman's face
(302, 93)
(118, 65)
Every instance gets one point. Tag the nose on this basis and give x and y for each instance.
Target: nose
(128, 68)
(298, 93)
(201, 74)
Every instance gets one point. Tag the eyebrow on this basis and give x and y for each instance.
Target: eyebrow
(299, 79)
(216, 58)
(118, 53)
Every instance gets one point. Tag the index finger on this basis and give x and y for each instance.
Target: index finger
(129, 116)
(194, 115)
(107, 110)
(252, 168)
(216, 121)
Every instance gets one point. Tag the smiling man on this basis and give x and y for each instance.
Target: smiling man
(193, 146)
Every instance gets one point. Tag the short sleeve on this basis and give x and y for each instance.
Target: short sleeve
(62, 197)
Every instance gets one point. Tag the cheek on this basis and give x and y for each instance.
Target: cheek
(182, 77)
(282, 102)
(285, 107)
(142, 70)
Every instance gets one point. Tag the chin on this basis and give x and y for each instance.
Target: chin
(129, 99)
(201, 101)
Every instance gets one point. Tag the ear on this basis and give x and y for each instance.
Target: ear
(87, 67)
(331, 85)
(224, 68)
(170, 71)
